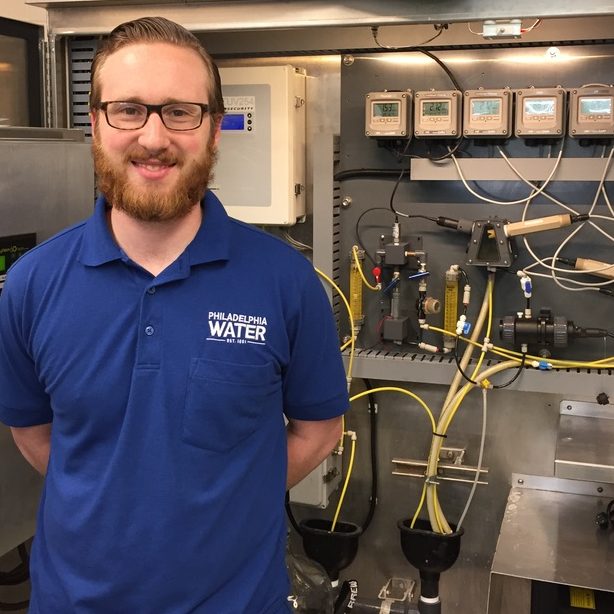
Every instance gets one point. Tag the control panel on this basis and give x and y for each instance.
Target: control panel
(591, 111)
(260, 173)
(240, 114)
(11, 248)
(388, 114)
(487, 113)
(540, 112)
(437, 114)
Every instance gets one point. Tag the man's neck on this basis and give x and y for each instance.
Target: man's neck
(154, 245)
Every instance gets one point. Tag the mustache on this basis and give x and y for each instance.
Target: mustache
(138, 153)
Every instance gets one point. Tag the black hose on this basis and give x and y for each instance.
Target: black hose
(19, 574)
(13, 607)
(290, 515)
(374, 471)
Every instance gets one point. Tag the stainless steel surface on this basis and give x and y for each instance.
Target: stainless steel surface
(316, 13)
(47, 185)
(19, 493)
(585, 449)
(570, 407)
(41, 134)
(436, 369)
(551, 536)
(14, 90)
(534, 169)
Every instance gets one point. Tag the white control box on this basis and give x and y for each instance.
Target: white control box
(317, 487)
(260, 173)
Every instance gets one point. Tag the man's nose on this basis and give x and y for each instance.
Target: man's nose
(154, 134)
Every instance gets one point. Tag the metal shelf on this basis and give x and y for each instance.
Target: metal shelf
(433, 369)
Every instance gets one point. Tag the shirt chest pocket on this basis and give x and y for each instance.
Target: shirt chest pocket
(226, 402)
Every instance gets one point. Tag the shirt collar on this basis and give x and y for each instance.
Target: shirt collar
(211, 243)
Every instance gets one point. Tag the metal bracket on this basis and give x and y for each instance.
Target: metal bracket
(397, 589)
(453, 471)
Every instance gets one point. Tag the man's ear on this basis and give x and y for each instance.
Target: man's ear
(93, 120)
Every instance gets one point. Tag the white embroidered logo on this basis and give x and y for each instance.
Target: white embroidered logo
(237, 328)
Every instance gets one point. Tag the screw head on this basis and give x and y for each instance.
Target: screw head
(348, 60)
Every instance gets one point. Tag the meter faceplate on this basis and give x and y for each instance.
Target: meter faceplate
(487, 113)
(540, 112)
(591, 112)
(437, 114)
(388, 114)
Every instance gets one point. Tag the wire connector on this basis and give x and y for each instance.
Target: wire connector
(542, 365)
(525, 284)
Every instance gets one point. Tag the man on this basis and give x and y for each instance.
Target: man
(149, 354)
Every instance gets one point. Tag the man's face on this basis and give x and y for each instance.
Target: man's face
(153, 173)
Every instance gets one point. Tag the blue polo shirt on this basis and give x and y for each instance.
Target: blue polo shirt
(165, 487)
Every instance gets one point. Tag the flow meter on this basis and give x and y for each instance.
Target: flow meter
(388, 114)
(540, 112)
(487, 113)
(437, 114)
(591, 111)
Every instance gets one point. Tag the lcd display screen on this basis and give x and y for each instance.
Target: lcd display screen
(594, 106)
(435, 108)
(386, 109)
(233, 121)
(486, 106)
(539, 106)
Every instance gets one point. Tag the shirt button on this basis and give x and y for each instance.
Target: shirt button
(151, 290)
(149, 331)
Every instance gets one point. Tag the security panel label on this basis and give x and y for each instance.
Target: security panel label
(487, 113)
(540, 113)
(591, 112)
(437, 114)
(388, 114)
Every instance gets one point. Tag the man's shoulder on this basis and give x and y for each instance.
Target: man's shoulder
(268, 247)
(50, 252)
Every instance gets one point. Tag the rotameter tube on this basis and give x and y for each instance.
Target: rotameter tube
(450, 313)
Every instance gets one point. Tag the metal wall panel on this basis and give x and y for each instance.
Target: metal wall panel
(47, 184)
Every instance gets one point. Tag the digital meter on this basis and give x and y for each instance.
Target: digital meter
(437, 114)
(387, 114)
(11, 248)
(540, 113)
(487, 113)
(591, 111)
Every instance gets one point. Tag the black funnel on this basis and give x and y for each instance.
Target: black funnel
(334, 551)
(429, 552)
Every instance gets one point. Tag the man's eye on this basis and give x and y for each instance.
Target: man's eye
(130, 111)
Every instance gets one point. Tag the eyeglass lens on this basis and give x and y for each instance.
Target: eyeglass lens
(132, 115)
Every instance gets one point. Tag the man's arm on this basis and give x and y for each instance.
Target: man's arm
(34, 443)
(309, 443)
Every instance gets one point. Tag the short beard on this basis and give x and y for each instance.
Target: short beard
(147, 205)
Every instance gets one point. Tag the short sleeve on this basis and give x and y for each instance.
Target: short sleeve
(315, 386)
(23, 400)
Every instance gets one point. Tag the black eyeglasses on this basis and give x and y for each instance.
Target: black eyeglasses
(125, 115)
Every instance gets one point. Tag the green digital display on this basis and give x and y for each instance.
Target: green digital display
(590, 106)
(2, 264)
(385, 109)
(539, 106)
(486, 106)
(435, 108)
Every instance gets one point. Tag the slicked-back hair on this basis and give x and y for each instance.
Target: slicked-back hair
(156, 30)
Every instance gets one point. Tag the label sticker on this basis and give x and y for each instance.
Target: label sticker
(581, 598)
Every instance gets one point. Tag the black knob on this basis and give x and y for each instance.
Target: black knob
(603, 398)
